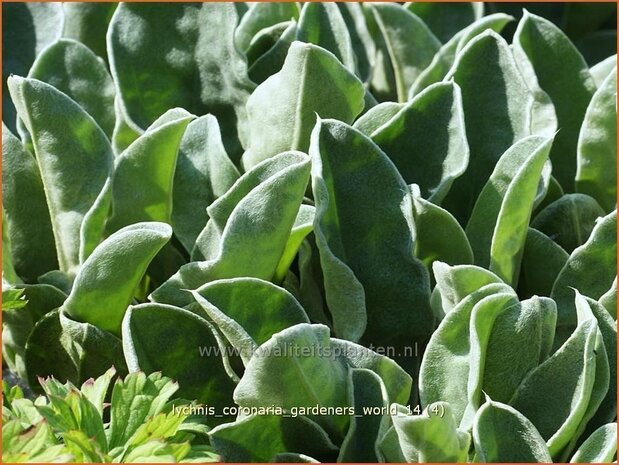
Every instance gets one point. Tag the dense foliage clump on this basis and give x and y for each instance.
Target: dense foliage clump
(348, 232)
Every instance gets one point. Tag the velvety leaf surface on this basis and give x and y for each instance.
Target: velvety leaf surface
(439, 235)
(520, 339)
(360, 37)
(407, 46)
(370, 121)
(279, 197)
(39, 299)
(555, 396)
(323, 24)
(197, 67)
(597, 146)
(535, 279)
(260, 307)
(445, 21)
(600, 71)
(430, 437)
(260, 16)
(363, 274)
(164, 338)
(66, 349)
(107, 281)
(444, 59)
(445, 367)
(28, 224)
(569, 220)
(27, 28)
(502, 434)
(397, 382)
(560, 69)
(427, 140)
(455, 283)
(260, 438)
(367, 392)
(494, 95)
(203, 173)
(301, 381)
(591, 268)
(72, 68)
(282, 110)
(271, 61)
(600, 447)
(498, 224)
(75, 160)
(87, 23)
(144, 173)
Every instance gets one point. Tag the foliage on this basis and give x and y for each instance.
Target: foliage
(68, 424)
(353, 232)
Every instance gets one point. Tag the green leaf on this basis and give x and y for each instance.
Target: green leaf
(609, 299)
(363, 274)
(72, 68)
(258, 306)
(261, 16)
(377, 116)
(181, 345)
(152, 76)
(282, 110)
(554, 397)
(144, 173)
(135, 399)
(250, 212)
(535, 279)
(367, 392)
(69, 350)
(431, 437)
(439, 235)
(600, 447)
(37, 300)
(498, 224)
(397, 382)
(95, 390)
(455, 283)
(446, 55)
(360, 37)
(323, 24)
(303, 225)
(445, 21)
(389, 447)
(203, 173)
(606, 411)
(271, 61)
(259, 438)
(560, 70)
(497, 112)
(569, 220)
(427, 140)
(596, 413)
(28, 226)
(305, 374)
(597, 146)
(528, 329)
(88, 23)
(75, 160)
(27, 30)
(502, 434)
(446, 362)
(600, 72)
(591, 268)
(406, 47)
(107, 281)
